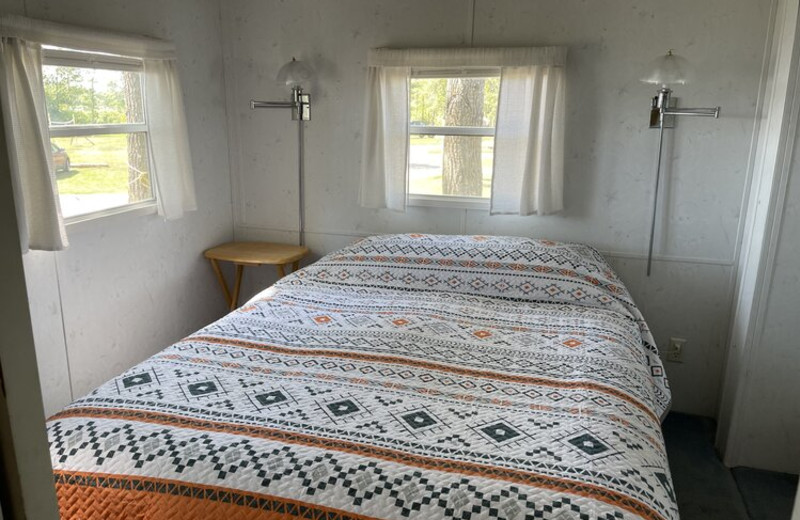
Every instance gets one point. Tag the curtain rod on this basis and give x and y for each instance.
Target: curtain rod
(85, 38)
(468, 57)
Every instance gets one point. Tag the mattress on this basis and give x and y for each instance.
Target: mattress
(454, 377)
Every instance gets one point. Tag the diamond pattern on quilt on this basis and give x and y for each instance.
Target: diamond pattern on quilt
(501, 432)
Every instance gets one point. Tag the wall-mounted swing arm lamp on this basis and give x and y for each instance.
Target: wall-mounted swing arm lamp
(667, 70)
(293, 75)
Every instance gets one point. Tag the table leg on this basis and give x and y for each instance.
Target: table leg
(296, 265)
(237, 285)
(281, 270)
(221, 280)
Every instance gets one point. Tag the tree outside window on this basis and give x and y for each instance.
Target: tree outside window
(452, 129)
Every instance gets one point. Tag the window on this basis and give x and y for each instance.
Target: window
(98, 131)
(451, 135)
(464, 127)
(104, 109)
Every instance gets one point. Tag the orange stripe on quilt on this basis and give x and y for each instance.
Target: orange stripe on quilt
(484, 374)
(528, 478)
(98, 496)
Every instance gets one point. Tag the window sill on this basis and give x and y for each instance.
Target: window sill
(446, 201)
(140, 208)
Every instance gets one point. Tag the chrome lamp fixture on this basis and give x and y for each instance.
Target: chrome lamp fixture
(665, 71)
(293, 75)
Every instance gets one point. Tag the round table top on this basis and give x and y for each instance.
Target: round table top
(257, 253)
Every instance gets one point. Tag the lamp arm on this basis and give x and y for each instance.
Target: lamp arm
(704, 112)
(271, 104)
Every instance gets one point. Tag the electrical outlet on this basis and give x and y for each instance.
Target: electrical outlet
(674, 351)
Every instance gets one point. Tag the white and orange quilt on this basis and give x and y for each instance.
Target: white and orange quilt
(406, 376)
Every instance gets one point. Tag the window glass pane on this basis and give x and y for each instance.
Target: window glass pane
(450, 165)
(86, 96)
(458, 101)
(99, 172)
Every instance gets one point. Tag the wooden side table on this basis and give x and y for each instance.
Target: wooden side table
(252, 253)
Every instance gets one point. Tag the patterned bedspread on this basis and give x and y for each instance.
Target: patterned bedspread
(451, 377)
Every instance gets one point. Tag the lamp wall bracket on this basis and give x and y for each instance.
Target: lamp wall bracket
(300, 104)
(664, 109)
(656, 116)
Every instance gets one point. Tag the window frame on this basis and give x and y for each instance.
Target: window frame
(449, 201)
(55, 56)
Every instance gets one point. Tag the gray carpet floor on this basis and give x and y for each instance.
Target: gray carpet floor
(707, 490)
(766, 494)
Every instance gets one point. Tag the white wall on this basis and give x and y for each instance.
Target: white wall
(129, 285)
(610, 152)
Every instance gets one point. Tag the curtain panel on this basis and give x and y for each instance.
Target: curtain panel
(26, 126)
(169, 139)
(384, 162)
(528, 170)
(28, 141)
(528, 163)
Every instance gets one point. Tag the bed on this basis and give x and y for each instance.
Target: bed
(454, 377)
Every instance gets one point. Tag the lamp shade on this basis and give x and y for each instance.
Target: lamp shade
(669, 69)
(294, 74)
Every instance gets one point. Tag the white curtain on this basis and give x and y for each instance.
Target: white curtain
(528, 173)
(384, 161)
(28, 142)
(169, 139)
(529, 140)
